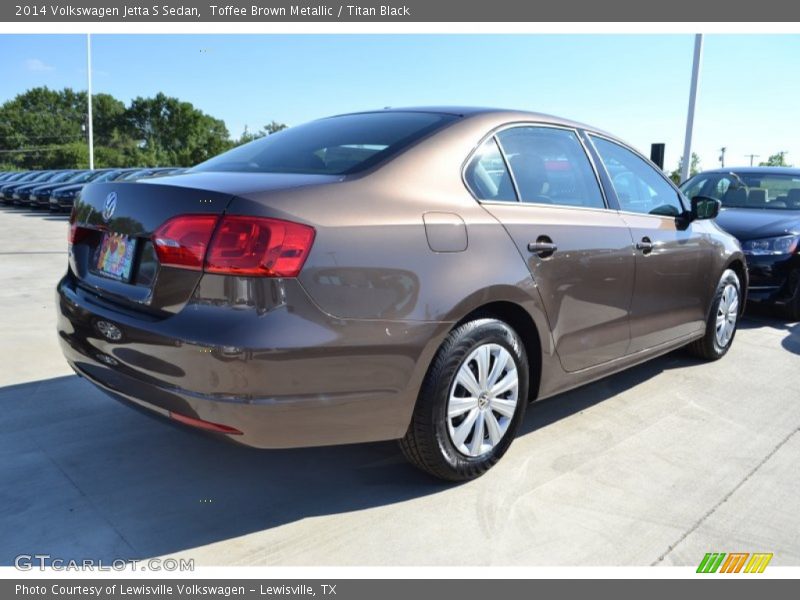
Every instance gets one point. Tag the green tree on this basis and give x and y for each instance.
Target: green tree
(269, 129)
(694, 168)
(44, 128)
(248, 136)
(775, 160)
(171, 132)
(274, 127)
(35, 124)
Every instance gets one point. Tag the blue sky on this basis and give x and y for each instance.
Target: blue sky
(635, 86)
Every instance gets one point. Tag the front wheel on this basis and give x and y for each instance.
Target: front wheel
(722, 321)
(471, 402)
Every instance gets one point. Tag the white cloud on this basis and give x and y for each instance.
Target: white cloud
(35, 64)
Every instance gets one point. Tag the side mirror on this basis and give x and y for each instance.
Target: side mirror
(704, 207)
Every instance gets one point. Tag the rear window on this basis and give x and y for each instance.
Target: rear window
(335, 146)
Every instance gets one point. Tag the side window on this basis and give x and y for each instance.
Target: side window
(550, 166)
(487, 176)
(639, 187)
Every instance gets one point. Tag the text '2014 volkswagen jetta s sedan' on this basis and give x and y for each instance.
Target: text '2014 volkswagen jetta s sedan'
(418, 274)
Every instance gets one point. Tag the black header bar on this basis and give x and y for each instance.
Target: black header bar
(406, 11)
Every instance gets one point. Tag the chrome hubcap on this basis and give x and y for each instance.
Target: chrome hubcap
(727, 313)
(483, 399)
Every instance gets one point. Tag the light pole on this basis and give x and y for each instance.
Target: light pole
(89, 98)
(687, 144)
(722, 157)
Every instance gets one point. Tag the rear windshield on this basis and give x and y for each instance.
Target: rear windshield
(335, 146)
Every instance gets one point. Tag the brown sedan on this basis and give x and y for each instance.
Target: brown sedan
(417, 274)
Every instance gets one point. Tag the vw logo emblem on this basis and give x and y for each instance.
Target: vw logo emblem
(110, 206)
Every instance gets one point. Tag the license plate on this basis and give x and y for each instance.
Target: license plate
(115, 256)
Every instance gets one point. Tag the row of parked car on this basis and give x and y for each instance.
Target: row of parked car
(56, 189)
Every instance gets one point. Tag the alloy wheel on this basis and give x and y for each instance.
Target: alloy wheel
(727, 313)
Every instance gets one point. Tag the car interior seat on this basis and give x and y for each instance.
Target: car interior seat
(735, 196)
(757, 197)
(531, 176)
(481, 182)
(793, 198)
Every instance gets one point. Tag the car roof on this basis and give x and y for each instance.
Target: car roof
(499, 114)
(756, 170)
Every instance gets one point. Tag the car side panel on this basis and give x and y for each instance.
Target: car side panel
(670, 291)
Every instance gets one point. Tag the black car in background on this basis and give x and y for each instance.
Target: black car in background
(57, 189)
(62, 198)
(12, 176)
(22, 194)
(39, 196)
(7, 187)
(761, 207)
(152, 172)
(6, 175)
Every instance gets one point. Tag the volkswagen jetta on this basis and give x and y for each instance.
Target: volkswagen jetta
(417, 274)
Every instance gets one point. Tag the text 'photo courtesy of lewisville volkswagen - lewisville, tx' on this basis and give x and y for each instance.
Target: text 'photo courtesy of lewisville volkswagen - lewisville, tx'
(298, 298)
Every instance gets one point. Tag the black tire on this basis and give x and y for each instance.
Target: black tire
(708, 347)
(427, 443)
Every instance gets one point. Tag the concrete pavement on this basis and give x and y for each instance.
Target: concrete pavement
(654, 466)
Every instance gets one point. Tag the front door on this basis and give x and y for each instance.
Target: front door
(672, 257)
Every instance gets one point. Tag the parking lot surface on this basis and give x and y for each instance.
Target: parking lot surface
(655, 466)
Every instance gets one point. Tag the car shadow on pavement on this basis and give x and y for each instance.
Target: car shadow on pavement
(550, 410)
(765, 318)
(85, 477)
(46, 216)
(27, 211)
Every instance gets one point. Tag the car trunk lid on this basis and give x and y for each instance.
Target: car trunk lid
(114, 254)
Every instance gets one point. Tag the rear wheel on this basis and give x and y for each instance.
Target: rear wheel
(471, 402)
(722, 321)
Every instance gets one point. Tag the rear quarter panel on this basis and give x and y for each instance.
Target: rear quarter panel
(372, 260)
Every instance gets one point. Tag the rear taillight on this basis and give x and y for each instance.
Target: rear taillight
(234, 245)
(182, 241)
(76, 234)
(256, 246)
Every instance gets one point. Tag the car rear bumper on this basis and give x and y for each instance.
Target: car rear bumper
(284, 374)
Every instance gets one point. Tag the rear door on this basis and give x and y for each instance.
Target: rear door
(673, 258)
(577, 250)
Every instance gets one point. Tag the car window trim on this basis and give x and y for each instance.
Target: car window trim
(513, 125)
(507, 163)
(678, 194)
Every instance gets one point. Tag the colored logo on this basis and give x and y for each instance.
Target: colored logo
(734, 562)
(110, 206)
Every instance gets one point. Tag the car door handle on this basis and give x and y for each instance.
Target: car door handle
(645, 245)
(543, 249)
